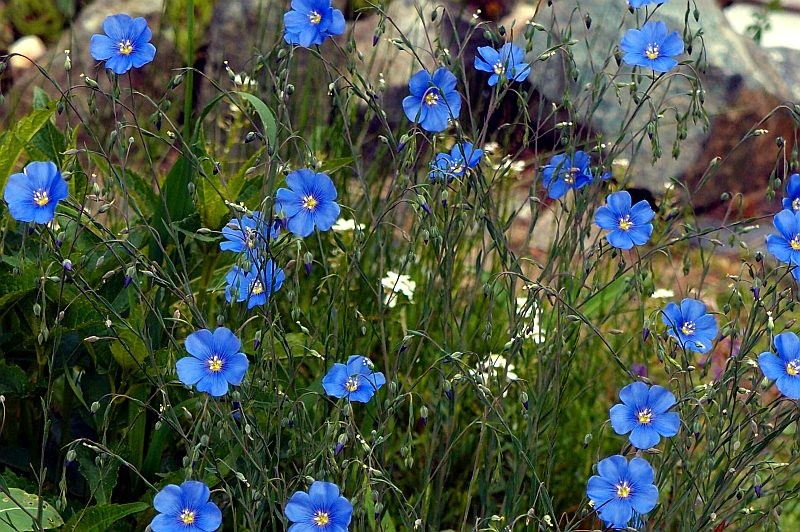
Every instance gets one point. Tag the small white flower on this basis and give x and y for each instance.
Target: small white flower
(663, 293)
(394, 283)
(532, 329)
(343, 225)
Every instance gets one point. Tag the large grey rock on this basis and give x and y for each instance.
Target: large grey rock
(740, 82)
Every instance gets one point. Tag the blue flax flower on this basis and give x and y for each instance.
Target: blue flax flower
(565, 172)
(252, 234)
(455, 164)
(308, 202)
(256, 285)
(215, 361)
(310, 22)
(628, 226)
(783, 368)
(639, 3)
(644, 413)
(652, 47)
(507, 62)
(785, 246)
(694, 329)
(622, 488)
(434, 99)
(357, 381)
(125, 45)
(33, 195)
(185, 508)
(792, 201)
(321, 509)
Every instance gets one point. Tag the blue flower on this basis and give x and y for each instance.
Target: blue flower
(311, 22)
(629, 226)
(455, 164)
(792, 202)
(185, 508)
(125, 45)
(215, 361)
(690, 325)
(434, 99)
(565, 172)
(308, 202)
(508, 62)
(652, 47)
(643, 413)
(33, 195)
(256, 285)
(251, 235)
(783, 368)
(357, 381)
(639, 3)
(785, 246)
(321, 509)
(622, 488)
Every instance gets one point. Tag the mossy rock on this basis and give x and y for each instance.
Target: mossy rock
(36, 17)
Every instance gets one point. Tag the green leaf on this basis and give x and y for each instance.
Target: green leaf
(129, 350)
(100, 518)
(266, 116)
(16, 514)
(13, 380)
(101, 479)
(13, 142)
(331, 165)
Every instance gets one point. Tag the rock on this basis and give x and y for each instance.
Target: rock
(31, 47)
(740, 82)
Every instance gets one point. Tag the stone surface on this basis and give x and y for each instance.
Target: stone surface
(31, 47)
(740, 82)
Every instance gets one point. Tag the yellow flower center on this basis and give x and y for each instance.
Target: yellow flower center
(125, 47)
(623, 490)
(187, 517)
(569, 176)
(795, 242)
(652, 51)
(321, 518)
(796, 204)
(645, 416)
(432, 97)
(41, 198)
(351, 384)
(256, 288)
(250, 237)
(625, 223)
(215, 364)
(310, 202)
(314, 17)
(688, 328)
(499, 68)
(793, 368)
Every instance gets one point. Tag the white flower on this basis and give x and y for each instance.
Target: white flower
(663, 293)
(343, 225)
(395, 283)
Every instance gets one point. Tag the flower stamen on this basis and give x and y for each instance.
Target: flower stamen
(625, 223)
(187, 517)
(793, 368)
(796, 204)
(125, 47)
(314, 17)
(499, 68)
(645, 416)
(215, 364)
(688, 328)
(431, 97)
(652, 51)
(310, 202)
(321, 518)
(623, 489)
(794, 243)
(351, 384)
(41, 198)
